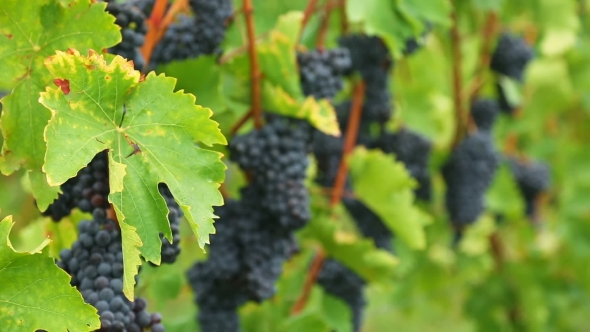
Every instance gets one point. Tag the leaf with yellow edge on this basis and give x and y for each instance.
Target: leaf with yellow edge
(150, 132)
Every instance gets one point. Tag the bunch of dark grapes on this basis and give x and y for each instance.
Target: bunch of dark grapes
(254, 236)
(341, 282)
(95, 263)
(371, 58)
(468, 174)
(484, 112)
(133, 29)
(532, 178)
(193, 36)
(245, 261)
(170, 251)
(413, 150)
(321, 71)
(87, 191)
(276, 157)
(511, 56)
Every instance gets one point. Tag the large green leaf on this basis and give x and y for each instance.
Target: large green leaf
(30, 31)
(397, 20)
(36, 294)
(327, 226)
(150, 133)
(386, 188)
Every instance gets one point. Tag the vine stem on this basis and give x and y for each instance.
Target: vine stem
(310, 279)
(241, 122)
(254, 68)
(338, 190)
(460, 114)
(307, 13)
(158, 23)
(489, 32)
(349, 141)
(323, 27)
(343, 17)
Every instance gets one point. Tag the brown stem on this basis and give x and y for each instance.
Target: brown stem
(489, 32)
(497, 250)
(312, 276)
(158, 23)
(309, 10)
(343, 17)
(349, 141)
(338, 190)
(254, 68)
(460, 114)
(223, 191)
(241, 122)
(323, 27)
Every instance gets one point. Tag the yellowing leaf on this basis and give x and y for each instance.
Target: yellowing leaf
(150, 133)
(30, 31)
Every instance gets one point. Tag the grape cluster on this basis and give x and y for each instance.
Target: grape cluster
(321, 71)
(532, 178)
(276, 157)
(170, 251)
(87, 191)
(254, 236)
(193, 36)
(413, 150)
(371, 58)
(484, 112)
(511, 56)
(95, 263)
(341, 282)
(245, 260)
(468, 173)
(133, 29)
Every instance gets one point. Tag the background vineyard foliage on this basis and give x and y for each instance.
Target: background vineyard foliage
(544, 281)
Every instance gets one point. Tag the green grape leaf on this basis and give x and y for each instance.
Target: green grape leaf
(150, 133)
(386, 187)
(344, 245)
(396, 21)
(206, 88)
(31, 31)
(337, 313)
(308, 321)
(36, 294)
